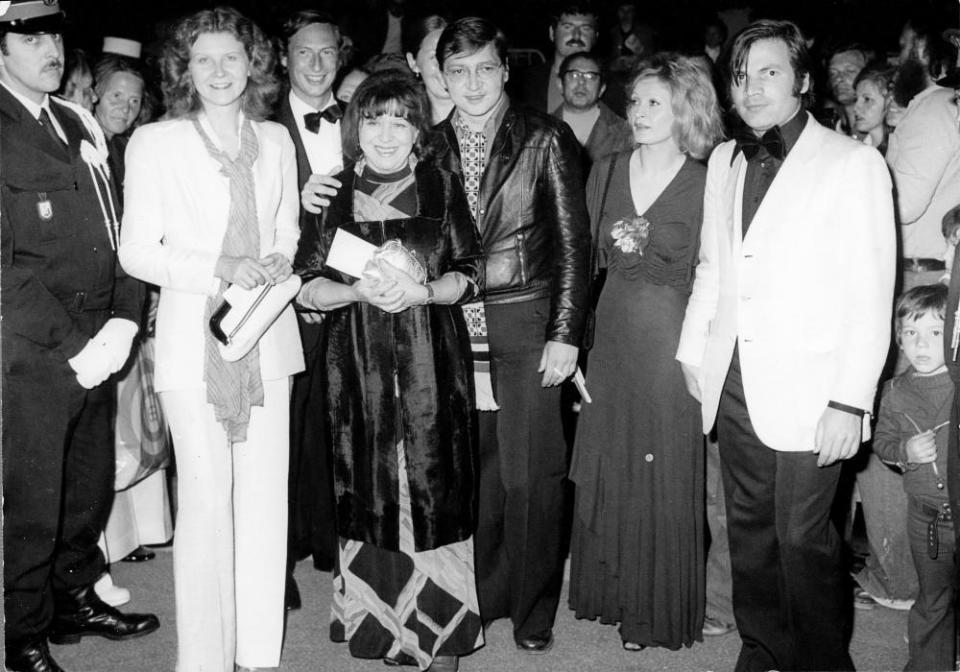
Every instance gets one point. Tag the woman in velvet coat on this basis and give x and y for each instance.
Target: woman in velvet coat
(399, 384)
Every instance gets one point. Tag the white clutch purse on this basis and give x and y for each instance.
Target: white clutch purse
(246, 314)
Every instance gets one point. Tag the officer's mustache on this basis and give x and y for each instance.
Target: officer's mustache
(575, 41)
(54, 65)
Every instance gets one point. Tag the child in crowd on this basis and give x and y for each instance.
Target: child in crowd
(912, 433)
(950, 225)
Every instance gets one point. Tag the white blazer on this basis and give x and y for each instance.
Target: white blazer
(807, 295)
(176, 204)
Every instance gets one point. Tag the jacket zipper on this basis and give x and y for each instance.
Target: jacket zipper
(522, 255)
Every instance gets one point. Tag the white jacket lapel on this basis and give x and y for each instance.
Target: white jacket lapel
(782, 194)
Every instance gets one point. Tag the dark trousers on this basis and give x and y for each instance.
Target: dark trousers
(790, 596)
(523, 466)
(931, 626)
(58, 477)
(312, 518)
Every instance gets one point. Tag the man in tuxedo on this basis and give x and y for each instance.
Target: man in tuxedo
(575, 28)
(69, 316)
(521, 173)
(784, 338)
(311, 56)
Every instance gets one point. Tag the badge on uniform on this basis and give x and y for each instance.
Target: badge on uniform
(44, 207)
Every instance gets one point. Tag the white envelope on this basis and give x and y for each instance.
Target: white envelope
(349, 254)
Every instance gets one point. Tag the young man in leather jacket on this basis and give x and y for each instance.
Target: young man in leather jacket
(521, 171)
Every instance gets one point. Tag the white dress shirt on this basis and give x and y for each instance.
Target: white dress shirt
(323, 148)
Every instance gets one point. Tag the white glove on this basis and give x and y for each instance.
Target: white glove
(116, 337)
(91, 365)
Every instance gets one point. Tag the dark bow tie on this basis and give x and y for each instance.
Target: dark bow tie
(332, 114)
(772, 141)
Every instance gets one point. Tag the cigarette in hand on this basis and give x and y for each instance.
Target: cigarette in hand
(581, 384)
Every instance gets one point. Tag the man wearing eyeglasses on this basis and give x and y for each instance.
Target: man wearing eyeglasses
(521, 174)
(599, 129)
(575, 28)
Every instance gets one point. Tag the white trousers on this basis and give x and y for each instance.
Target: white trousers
(230, 547)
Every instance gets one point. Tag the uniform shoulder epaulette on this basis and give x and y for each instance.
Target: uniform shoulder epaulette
(88, 121)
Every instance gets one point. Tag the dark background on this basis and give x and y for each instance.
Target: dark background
(875, 22)
(678, 24)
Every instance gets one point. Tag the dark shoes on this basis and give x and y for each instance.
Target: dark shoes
(82, 614)
(400, 660)
(538, 643)
(440, 663)
(31, 655)
(291, 595)
(139, 554)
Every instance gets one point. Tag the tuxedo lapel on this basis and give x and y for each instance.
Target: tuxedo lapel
(736, 178)
(285, 117)
(786, 187)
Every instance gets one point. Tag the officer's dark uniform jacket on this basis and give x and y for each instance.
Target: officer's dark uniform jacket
(532, 218)
(60, 277)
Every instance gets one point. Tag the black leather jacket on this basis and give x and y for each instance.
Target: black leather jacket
(532, 218)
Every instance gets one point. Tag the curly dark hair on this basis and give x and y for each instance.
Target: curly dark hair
(393, 93)
(179, 93)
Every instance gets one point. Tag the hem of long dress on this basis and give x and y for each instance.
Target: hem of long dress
(608, 620)
(369, 655)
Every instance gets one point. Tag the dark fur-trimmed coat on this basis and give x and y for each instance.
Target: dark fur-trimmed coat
(428, 349)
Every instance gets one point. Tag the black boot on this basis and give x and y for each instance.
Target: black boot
(80, 613)
(31, 655)
(291, 594)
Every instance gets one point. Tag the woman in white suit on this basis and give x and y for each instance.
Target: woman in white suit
(211, 200)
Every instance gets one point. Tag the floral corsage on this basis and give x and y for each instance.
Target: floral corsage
(630, 234)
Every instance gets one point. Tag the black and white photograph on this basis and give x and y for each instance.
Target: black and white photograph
(480, 335)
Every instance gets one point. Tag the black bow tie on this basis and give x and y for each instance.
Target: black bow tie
(772, 141)
(332, 114)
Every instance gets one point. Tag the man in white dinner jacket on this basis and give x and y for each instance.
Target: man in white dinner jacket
(785, 334)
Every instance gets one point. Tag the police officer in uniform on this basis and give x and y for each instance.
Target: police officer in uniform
(69, 316)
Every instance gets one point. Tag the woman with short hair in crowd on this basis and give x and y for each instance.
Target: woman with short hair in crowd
(399, 386)
(420, 37)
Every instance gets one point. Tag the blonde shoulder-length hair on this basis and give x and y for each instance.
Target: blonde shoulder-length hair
(698, 127)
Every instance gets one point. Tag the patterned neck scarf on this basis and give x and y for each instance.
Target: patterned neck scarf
(473, 146)
(234, 387)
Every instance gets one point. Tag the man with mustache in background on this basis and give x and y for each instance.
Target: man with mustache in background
(69, 317)
(575, 28)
